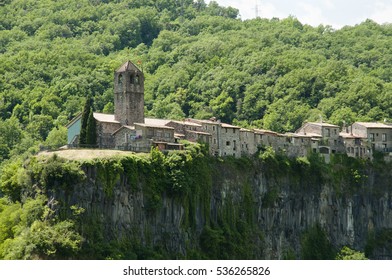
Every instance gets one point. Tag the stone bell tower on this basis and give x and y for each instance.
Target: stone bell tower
(129, 94)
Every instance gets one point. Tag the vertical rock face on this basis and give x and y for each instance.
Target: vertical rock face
(280, 209)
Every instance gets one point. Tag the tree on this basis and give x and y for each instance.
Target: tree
(349, 254)
(91, 131)
(315, 245)
(57, 137)
(85, 116)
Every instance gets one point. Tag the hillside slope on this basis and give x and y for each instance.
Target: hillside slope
(199, 61)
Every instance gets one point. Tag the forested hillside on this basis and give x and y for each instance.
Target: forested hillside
(199, 60)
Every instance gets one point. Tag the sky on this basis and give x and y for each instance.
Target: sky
(336, 13)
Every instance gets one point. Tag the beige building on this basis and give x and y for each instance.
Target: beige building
(247, 142)
(230, 140)
(356, 146)
(378, 135)
(265, 138)
(326, 134)
(297, 145)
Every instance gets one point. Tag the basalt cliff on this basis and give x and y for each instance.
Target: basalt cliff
(190, 205)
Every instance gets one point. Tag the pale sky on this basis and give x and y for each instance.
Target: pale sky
(336, 13)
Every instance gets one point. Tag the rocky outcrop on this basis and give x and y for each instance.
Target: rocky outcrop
(280, 206)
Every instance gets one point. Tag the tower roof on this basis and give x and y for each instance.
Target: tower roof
(127, 66)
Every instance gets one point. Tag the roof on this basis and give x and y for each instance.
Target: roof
(373, 125)
(105, 118)
(179, 135)
(291, 134)
(124, 127)
(312, 134)
(349, 135)
(264, 131)
(322, 124)
(155, 122)
(187, 123)
(226, 125)
(204, 121)
(74, 120)
(127, 66)
(154, 126)
(199, 132)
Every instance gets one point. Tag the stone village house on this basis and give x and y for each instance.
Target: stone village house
(128, 129)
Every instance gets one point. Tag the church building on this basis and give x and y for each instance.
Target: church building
(127, 129)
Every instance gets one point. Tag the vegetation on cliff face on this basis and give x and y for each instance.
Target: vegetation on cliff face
(199, 61)
(38, 222)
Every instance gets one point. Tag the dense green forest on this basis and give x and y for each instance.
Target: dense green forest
(199, 61)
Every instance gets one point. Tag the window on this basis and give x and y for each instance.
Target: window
(214, 141)
(327, 132)
(384, 137)
(335, 131)
(227, 143)
(233, 130)
(213, 128)
(226, 130)
(371, 136)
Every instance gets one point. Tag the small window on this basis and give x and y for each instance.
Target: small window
(233, 130)
(327, 132)
(227, 143)
(384, 137)
(226, 130)
(213, 128)
(371, 136)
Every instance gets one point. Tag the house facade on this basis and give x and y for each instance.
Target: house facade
(378, 135)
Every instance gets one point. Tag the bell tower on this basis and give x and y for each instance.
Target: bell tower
(129, 94)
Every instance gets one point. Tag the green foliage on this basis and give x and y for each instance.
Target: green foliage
(378, 240)
(315, 244)
(108, 173)
(85, 134)
(56, 173)
(349, 254)
(12, 180)
(57, 137)
(91, 130)
(30, 231)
